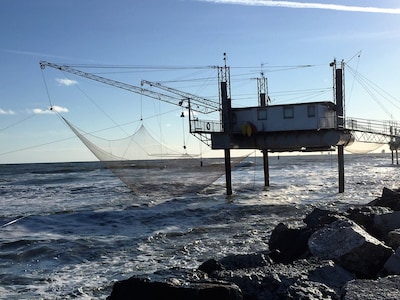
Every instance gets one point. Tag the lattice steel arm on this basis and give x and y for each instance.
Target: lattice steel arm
(178, 99)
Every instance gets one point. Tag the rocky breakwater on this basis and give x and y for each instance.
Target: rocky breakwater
(352, 254)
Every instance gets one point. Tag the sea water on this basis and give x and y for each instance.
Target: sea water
(70, 230)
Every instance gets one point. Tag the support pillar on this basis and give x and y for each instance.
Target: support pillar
(226, 122)
(228, 172)
(340, 124)
(266, 167)
(341, 168)
(391, 150)
(262, 92)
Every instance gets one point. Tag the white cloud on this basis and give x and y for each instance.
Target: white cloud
(290, 4)
(6, 112)
(66, 81)
(60, 109)
(50, 110)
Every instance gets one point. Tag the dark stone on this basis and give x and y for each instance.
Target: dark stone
(350, 245)
(385, 223)
(210, 266)
(390, 198)
(245, 261)
(392, 265)
(331, 274)
(289, 244)
(323, 278)
(364, 216)
(305, 289)
(320, 217)
(387, 288)
(393, 239)
(139, 288)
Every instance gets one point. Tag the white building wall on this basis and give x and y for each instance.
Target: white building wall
(305, 116)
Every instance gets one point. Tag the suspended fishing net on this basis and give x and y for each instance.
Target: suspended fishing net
(363, 147)
(149, 167)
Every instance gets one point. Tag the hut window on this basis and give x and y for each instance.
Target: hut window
(311, 111)
(288, 112)
(262, 114)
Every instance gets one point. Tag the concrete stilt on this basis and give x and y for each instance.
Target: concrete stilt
(266, 167)
(228, 172)
(341, 168)
(340, 124)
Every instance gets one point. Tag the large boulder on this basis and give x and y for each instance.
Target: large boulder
(392, 265)
(320, 217)
(387, 222)
(288, 244)
(141, 288)
(390, 198)
(365, 216)
(393, 239)
(386, 288)
(350, 245)
(310, 278)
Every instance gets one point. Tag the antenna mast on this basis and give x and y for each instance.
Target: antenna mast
(262, 87)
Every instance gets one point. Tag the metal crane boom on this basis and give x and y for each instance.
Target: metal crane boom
(178, 99)
(208, 105)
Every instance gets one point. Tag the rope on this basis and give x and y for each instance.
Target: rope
(47, 89)
(183, 130)
(98, 106)
(18, 122)
(369, 87)
(358, 55)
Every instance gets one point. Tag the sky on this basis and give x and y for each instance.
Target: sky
(174, 41)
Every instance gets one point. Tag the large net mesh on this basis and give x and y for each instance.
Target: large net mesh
(363, 147)
(149, 167)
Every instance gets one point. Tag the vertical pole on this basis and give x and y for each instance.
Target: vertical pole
(391, 143)
(228, 172)
(265, 151)
(397, 146)
(226, 121)
(340, 125)
(266, 167)
(341, 168)
(262, 90)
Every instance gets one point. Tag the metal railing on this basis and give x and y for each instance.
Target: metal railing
(387, 128)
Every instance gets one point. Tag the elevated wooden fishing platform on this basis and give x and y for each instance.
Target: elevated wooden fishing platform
(305, 127)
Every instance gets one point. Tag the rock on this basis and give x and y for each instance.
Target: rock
(393, 239)
(350, 245)
(331, 274)
(211, 266)
(364, 216)
(387, 222)
(139, 288)
(392, 265)
(289, 244)
(303, 279)
(390, 198)
(236, 261)
(245, 261)
(387, 288)
(309, 290)
(320, 217)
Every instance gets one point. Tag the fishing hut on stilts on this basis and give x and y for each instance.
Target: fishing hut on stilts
(304, 127)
